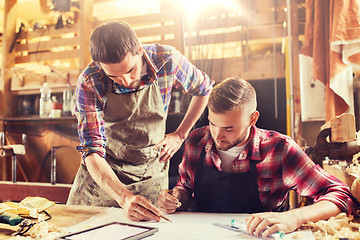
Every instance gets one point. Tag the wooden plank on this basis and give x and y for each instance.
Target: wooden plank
(259, 67)
(264, 32)
(155, 31)
(70, 215)
(27, 81)
(20, 190)
(171, 42)
(148, 19)
(49, 31)
(258, 19)
(10, 150)
(46, 45)
(47, 56)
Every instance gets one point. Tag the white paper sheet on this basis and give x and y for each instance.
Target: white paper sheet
(184, 225)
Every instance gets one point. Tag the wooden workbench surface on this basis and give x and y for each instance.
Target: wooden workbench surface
(350, 179)
(62, 216)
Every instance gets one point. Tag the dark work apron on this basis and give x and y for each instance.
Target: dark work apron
(217, 191)
(134, 123)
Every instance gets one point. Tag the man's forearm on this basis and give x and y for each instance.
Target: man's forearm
(105, 177)
(196, 108)
(322, 210)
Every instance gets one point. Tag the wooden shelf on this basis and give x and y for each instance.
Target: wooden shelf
(36, 118)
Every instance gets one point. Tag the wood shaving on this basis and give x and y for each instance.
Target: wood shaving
(340, 226)
(42, 230)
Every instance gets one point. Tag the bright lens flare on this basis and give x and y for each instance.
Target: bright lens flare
(193, 6)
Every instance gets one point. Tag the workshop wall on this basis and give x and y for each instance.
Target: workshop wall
(246, 40)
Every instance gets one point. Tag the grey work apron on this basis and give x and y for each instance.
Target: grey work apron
(134, 123)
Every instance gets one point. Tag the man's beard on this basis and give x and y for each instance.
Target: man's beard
(134, 84)
(241, 139)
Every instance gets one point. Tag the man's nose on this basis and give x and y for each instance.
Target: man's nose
(126, 80)
(217, 134)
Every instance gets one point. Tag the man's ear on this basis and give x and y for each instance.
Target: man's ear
(141, 50)
(254, 117)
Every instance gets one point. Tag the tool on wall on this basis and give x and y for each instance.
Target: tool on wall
(21, 28)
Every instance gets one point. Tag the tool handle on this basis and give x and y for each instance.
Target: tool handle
(10, 218)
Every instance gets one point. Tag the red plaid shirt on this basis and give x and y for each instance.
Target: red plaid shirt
(281, 165)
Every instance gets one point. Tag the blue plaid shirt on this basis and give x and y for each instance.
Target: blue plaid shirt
(164, 64)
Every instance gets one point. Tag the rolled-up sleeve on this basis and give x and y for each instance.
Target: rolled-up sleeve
(90, 116)
(310, 180)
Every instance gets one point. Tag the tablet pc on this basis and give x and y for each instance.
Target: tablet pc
(113, 231)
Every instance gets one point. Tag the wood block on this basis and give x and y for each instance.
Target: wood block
(342, 128)
(20, 190)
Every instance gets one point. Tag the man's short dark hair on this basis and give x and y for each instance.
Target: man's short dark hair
(112, 41)
(232, 93)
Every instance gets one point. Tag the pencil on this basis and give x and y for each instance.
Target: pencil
(165, 218)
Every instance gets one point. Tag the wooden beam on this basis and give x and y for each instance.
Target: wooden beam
(8, 59)
(258, 20)
(258, 33)
(155, 31)
(260, 66)
(49, 31)
(18, 191)
(148, 19)
(48, 56)
(86, 26)
(46, 45)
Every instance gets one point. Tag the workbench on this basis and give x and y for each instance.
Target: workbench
(184, 225)
(337, 169)
(62, 216)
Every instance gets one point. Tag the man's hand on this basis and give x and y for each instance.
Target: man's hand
(263, 224)
(168, 201)
(171, 143)
(138, 208)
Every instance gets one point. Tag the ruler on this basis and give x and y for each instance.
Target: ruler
(240, 230)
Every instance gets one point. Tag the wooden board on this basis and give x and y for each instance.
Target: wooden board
(18, 191)
(350, 179)
(69, 215)
(62, 216)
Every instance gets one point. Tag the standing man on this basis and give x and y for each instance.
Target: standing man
(233, 166)
(122, 100)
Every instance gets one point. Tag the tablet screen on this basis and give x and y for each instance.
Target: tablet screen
(113, 231)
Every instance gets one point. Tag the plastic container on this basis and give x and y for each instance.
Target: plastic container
(45, 101)
(56, 108)
(67, 95)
